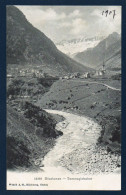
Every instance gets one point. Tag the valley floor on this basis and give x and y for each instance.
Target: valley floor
(88, 145)
(99, 100)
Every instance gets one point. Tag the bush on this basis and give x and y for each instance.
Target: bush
(43, 121)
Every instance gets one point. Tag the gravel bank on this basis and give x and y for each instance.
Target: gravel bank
(91, 160)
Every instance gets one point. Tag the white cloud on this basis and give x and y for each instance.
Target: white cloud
(65, 22)
(107, 24)
(78, 26)
(38, 16)
(50, 14)
(96, 12)
(75, 13)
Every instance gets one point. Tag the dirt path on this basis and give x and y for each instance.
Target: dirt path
(94, 82)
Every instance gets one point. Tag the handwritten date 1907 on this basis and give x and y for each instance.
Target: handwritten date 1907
(107, 13)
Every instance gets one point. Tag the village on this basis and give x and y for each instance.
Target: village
(39, 73)
(25, 72)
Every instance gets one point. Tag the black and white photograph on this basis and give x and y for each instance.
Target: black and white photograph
(63, 72)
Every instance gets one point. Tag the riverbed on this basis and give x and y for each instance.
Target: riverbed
(76, 151)
(74, 163)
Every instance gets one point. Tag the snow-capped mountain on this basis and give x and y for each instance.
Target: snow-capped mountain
(73, 46)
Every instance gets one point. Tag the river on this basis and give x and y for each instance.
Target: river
(78, 132)
(71, 151)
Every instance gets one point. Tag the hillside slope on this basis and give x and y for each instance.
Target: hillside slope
(28, 45)
(108, 50)
(29, 138)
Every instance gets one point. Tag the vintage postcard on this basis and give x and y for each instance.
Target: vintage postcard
(63, 97)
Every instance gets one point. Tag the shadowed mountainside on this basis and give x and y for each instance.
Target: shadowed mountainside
(29, 137)
(28, 45)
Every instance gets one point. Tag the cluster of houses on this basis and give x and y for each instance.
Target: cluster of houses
(85, 75)
(76, 75)
(26, 72)
(31, 72)
(100, 73)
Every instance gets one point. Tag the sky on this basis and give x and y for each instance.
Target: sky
(68, 22)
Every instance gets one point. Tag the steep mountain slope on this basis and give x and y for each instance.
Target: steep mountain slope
(108, 50)
(28, 45)
(29, 138)
(73, 46)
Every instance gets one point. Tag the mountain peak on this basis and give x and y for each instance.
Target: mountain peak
(115, 34)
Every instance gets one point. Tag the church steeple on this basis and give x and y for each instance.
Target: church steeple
(103, 66)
